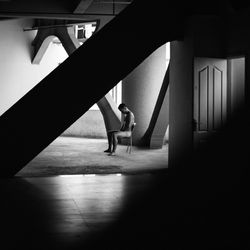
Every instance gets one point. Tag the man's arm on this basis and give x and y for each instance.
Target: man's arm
(122, 127)
(129, 122)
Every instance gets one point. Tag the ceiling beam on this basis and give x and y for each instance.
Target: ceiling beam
(62, 16)
(116, 2)
(47, 23)
(82, 6)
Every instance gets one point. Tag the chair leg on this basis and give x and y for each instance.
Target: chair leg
(127, 148)
(130, 145)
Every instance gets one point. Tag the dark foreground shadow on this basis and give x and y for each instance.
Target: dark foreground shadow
(200, 204)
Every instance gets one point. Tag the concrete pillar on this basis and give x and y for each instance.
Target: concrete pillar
(45, 36)
(67, 37)
(141, 89)
(181, 101)
(161, 124)
(111, 114)
(41, 44)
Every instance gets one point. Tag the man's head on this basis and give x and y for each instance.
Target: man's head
(123, 108)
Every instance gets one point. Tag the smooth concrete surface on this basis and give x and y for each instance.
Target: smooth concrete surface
(202, 204)
(141, 89)
(71, 155)
(73, 212)
(111, 114)
(160, 117)
(181, 100)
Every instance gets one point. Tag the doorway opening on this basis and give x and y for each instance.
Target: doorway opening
(236, 84)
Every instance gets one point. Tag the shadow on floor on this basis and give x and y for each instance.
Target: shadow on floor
(200, 203)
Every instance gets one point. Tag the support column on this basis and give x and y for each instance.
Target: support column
(41, 43)
(110, 112)
(67, 37)
(141, 89)
(161, 124)
(181, 101)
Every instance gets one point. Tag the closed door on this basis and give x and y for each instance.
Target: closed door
(210, 97)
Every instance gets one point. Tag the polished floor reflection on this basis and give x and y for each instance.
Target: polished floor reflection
(193, 208)
(200, 203)
(69, 212)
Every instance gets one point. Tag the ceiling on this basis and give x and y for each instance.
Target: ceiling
(89, 9)
(61, 9)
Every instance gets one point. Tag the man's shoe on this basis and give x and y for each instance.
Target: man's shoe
(111, 154)
(107, 151)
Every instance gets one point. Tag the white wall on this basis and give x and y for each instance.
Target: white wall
(17, 74)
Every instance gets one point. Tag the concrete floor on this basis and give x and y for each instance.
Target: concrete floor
(79, 212)
(69, 155)
(202, 203)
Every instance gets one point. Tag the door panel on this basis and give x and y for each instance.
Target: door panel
(217, 98)
(203, 99)
(210, 96)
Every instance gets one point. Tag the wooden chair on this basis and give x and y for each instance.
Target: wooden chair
(130, 140)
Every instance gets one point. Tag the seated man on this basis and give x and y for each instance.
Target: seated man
(125, 130)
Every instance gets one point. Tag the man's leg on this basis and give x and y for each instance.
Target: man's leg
(115, 136)
(114, 143)
(110, 141)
